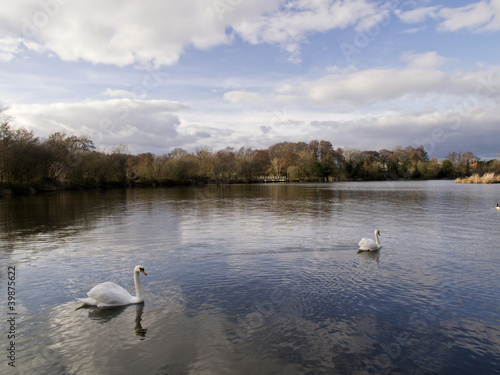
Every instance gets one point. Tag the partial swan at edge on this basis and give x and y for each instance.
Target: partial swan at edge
(369, 244)
(109, 294)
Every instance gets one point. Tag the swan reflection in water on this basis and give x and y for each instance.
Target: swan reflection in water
(105, 315)
(370, 255)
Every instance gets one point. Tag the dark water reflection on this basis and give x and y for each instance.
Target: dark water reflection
(258, 279)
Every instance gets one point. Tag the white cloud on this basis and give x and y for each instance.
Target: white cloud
(481, 16)
(123, 94)
(417, 15)
(117, 32)
(424, 60)
(411, 105)
(140, 124)
(352, 89)
(420, 80)
(475, 16)
(9, 47)
(414, 105)
(372, 86)
(289, 25)
(388, 106)
(414, 30)
(126, 32)
(438, 131)
(243, 97)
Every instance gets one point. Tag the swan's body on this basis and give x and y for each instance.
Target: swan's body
(109, 294)
(369, 244)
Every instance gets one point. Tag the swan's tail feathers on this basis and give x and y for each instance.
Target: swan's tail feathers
(88, 301)
(368, 244)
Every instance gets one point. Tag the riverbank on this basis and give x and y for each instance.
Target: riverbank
(487, 178)
(14, 189)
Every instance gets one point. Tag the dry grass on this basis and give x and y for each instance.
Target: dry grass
(487, 178)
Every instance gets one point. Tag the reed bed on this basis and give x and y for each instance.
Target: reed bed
(487, 178)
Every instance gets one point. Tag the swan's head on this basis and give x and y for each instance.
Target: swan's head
(377, 232)
(138, 269)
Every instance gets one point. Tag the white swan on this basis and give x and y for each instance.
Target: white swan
(109, 294)
(369, 244)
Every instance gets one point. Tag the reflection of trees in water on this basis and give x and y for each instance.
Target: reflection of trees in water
(49, 212)
(80, 210)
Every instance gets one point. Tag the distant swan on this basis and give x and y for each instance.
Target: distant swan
(109, 294)
(369, 244)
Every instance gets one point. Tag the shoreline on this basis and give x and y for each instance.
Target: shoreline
(487, 178)
(13, 190)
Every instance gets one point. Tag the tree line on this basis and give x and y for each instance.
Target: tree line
(69, 161)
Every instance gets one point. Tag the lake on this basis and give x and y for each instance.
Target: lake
(255, 279)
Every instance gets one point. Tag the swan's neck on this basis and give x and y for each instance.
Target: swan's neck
(376, 239)
(138, 288)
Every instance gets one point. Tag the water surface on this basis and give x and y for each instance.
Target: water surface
(257, 279)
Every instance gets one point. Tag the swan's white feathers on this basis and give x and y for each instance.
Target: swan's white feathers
(109, 293)
(369, 244)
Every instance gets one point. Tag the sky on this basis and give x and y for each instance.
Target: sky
(157, 75)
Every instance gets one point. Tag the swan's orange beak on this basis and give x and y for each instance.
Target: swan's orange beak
(144, 272)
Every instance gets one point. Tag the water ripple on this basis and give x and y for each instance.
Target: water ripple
(265, 278)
